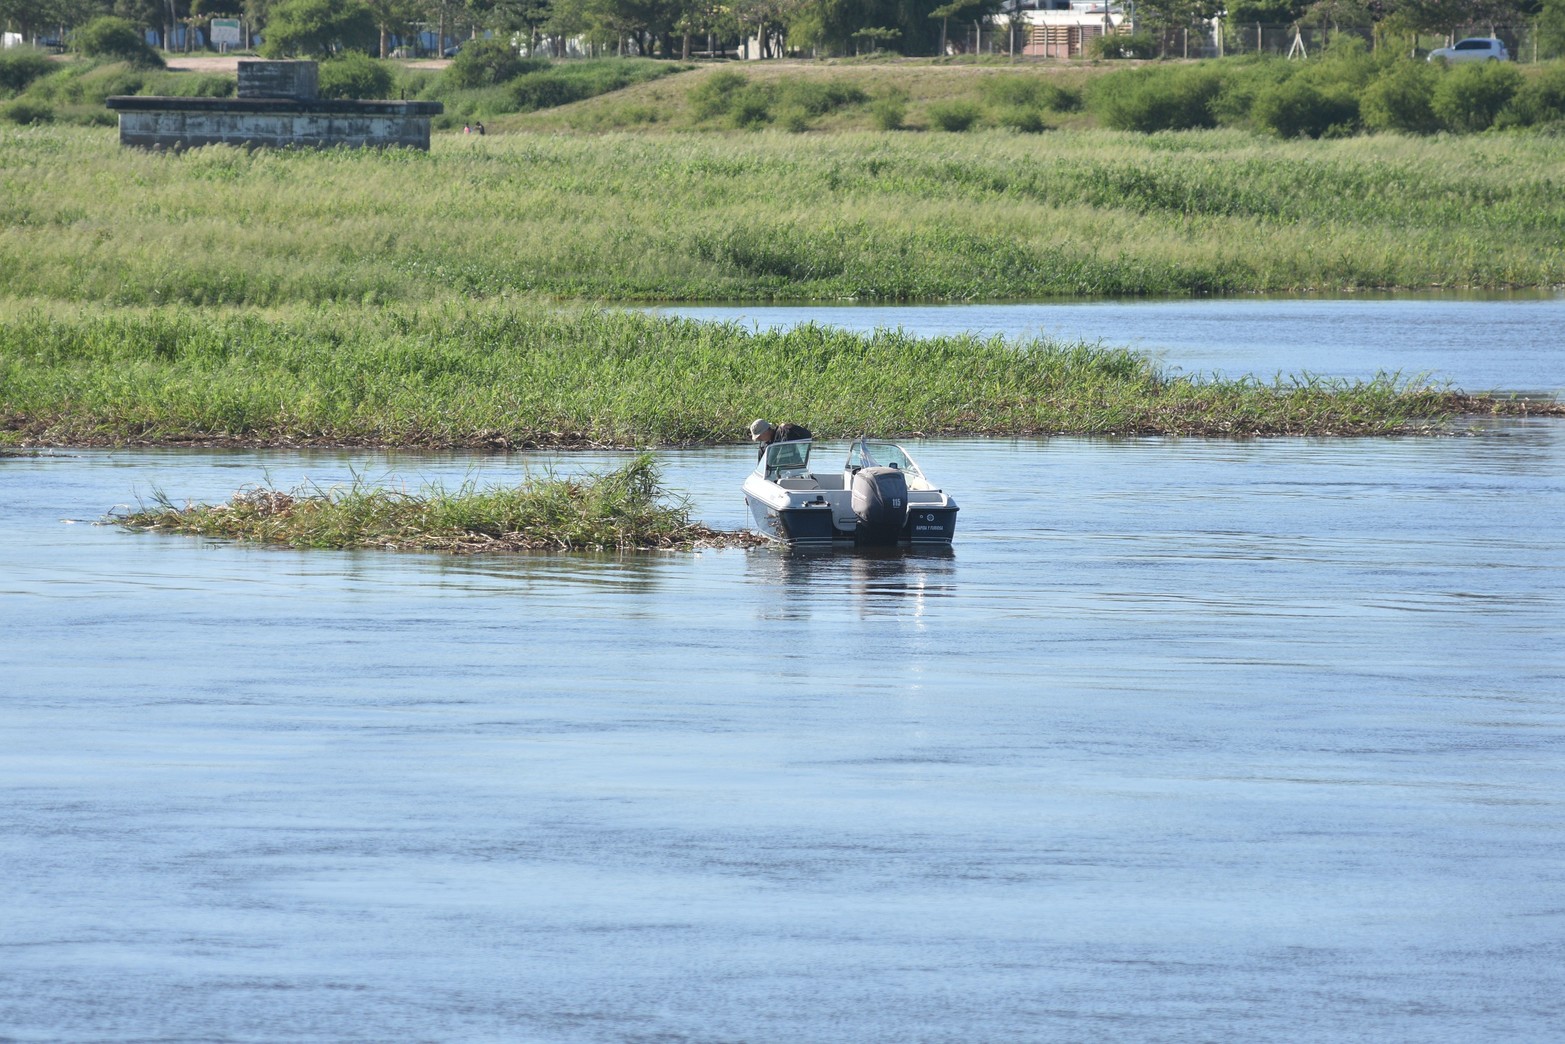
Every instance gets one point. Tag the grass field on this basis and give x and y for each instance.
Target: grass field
(773, 215)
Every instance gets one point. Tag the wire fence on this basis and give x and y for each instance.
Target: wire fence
(1022, 41)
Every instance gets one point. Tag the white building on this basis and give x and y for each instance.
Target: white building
(1065, 28)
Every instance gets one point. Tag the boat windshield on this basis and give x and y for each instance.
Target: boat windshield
(867, 453)
(787, 458)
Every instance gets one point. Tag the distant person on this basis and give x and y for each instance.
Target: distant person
(767, 433)
(480, 126)
(467, 128)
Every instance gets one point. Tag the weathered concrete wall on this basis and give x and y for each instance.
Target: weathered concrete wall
(187, 123)
(277, 107)
(258, 79)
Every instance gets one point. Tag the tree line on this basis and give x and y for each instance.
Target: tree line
(679, 28)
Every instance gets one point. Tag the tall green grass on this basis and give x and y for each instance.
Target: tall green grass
(625, 509)
(501, 376)
(987, 215)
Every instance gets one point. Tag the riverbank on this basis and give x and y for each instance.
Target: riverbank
(500, 376)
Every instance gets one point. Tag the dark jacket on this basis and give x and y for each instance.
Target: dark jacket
(785, 433)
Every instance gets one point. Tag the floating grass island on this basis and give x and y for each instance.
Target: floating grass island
(621, 510)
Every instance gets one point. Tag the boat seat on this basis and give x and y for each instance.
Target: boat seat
(801, 482)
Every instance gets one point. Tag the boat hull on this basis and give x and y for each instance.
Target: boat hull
(819, 524)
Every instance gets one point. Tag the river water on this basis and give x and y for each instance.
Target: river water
(1185, 740)
(1478, 344)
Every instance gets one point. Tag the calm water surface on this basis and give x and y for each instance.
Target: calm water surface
(1184, 741)
(1509, 344)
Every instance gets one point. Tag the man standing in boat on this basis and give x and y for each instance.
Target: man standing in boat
(767, 433)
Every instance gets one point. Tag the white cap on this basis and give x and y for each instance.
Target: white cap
(759, 428)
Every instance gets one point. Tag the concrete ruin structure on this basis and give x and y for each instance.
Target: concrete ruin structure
(277, 106)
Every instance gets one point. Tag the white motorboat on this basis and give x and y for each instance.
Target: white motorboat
(880, 496)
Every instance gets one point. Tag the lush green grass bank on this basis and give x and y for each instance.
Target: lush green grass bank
(776, 215)
(502, 376)
(622, 510)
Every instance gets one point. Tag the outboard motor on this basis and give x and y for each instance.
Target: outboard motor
(880, 502)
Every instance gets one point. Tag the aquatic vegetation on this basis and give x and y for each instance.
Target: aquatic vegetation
(621, 510)
(500, 375)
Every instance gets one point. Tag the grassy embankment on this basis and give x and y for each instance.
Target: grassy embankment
(621, 510)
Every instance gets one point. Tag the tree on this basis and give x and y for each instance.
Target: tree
(392, 18)
(1551, 28)
(318, 28)
(115, 38)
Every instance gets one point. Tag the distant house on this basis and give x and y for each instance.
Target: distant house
(1065, 28)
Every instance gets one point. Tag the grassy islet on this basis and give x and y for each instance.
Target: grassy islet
(625, 509)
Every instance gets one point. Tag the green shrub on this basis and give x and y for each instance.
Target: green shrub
(488, 63)
(818, 97)
(116, 39)
(1027, 121)
(565, 82)
(1470, 97)
(1027, 92)
(889, 111)
(1243, 80)
(20, 66)
(1296, 108)
(23, 111)
(794, 120)
(956, 115)
(1135, 45)
(714, 96)
(1399, 99)
(1155, 99)
(354, 74)
(751, 107)
(192, 85)
(1540, 100)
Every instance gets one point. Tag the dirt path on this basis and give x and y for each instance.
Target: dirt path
(229, 63)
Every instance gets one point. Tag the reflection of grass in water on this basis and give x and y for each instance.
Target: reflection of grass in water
(500, 376)
(621, 510)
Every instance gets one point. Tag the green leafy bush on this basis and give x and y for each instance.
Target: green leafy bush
(956, 115)
(561, 83)
(1134, 45)
(818, 97)
(1297, 108)
(1540, 100)
(1400, 99)
(116, 39)
(714, 96)
(1470, 97)
(1155, 99)
(731, 96)
(20, 66)
(1027, 92)
(24, 112)
(488, 63)
(354, 74)
(1027, 121)
(889, 111)
(751, 107)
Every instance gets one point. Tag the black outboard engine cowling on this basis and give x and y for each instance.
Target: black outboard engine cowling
(880, 502)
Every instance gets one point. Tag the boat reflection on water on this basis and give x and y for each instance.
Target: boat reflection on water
(879, 581)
